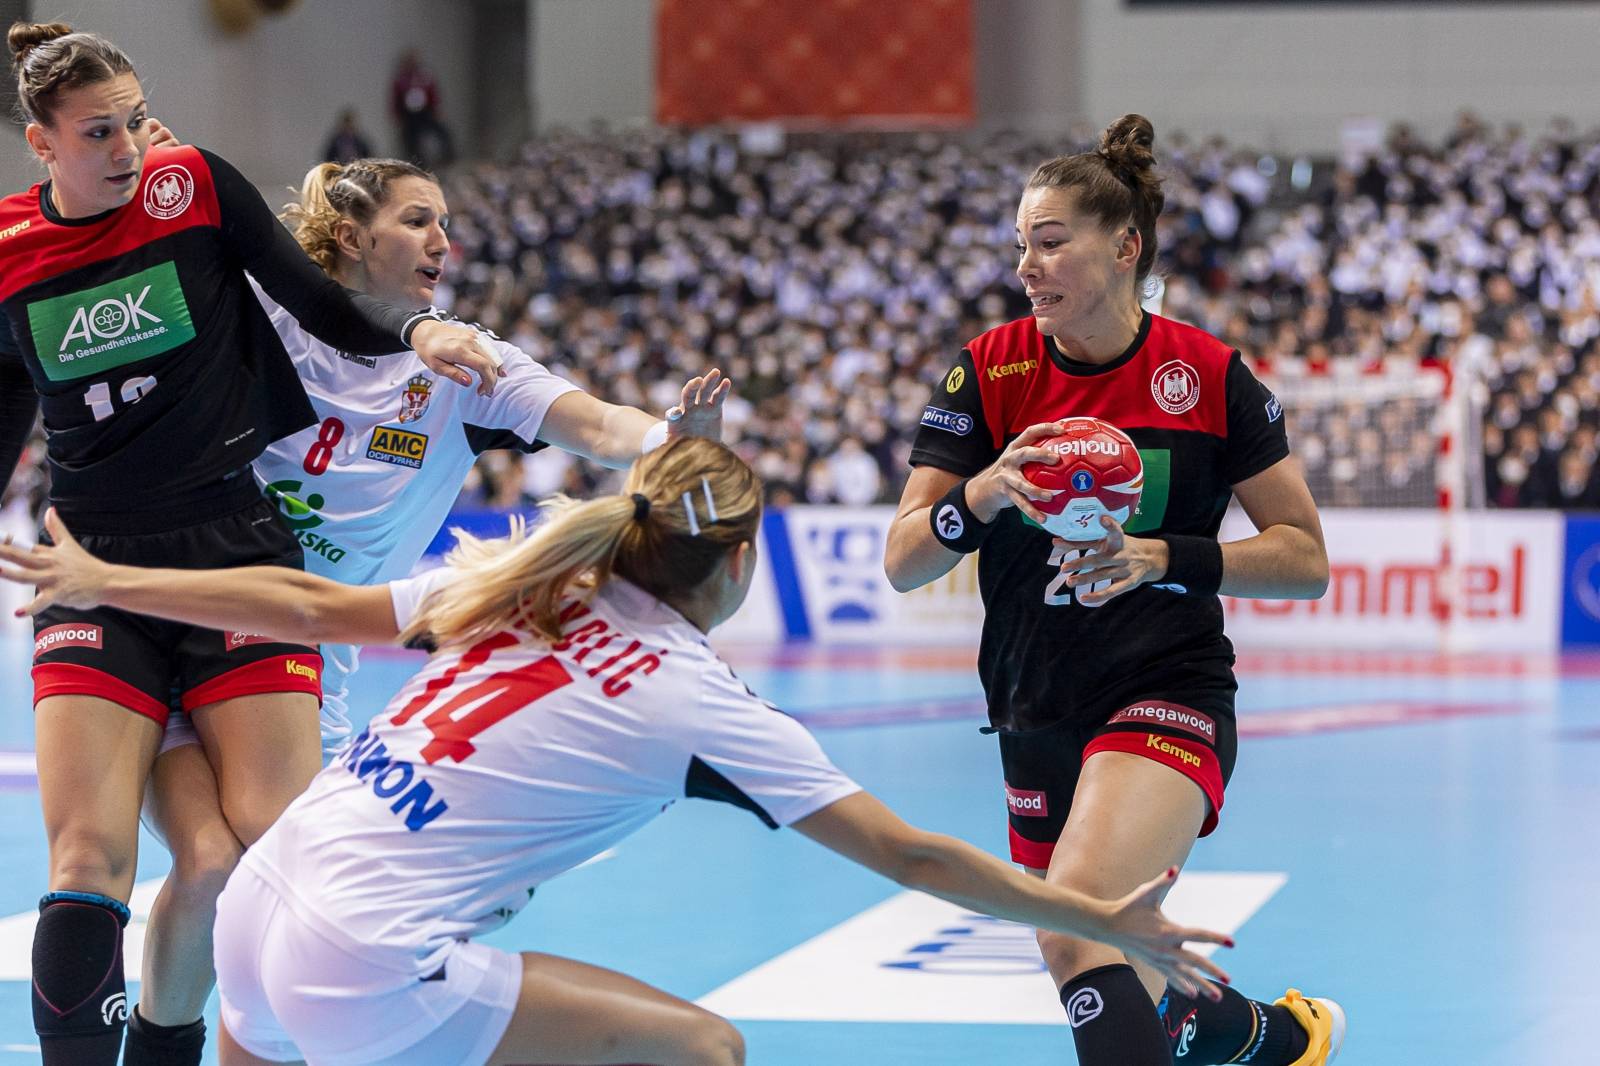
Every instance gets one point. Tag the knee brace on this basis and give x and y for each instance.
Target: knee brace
(80, 1001)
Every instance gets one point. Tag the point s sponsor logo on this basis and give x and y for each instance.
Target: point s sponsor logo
(72, 635)
(401, 447)
(950, 421)
(168, 192)
(1006, 370)
(1027, 804)
(1084, 1007)
(1171, 750)
(1485, 591)
(1175, 386)
(1168, 714)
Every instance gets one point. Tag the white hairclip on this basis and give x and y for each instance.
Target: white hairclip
(711, 504)
(688, 509)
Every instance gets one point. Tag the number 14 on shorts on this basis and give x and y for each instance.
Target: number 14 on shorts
(1057, 593)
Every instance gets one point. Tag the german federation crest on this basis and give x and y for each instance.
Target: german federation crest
(169, 192)
(1175, 386)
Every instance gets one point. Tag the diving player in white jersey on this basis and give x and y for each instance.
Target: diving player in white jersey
(365, 491)
(572, 698)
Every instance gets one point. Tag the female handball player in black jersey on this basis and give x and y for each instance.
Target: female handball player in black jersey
(132, 325)
(573, 697)
(376, 226)
(1107, 674)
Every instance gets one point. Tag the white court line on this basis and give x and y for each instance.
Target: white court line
(914, 958)
(16, 932)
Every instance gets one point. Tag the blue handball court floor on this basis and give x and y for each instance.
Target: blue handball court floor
(1417, 836)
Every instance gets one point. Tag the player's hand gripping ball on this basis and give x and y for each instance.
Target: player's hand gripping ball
(1100, 473)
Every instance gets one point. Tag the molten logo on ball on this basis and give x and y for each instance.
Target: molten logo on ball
(1100, 473)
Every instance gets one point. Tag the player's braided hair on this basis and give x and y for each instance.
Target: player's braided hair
(333, 192)
(701, 502)
(1116, 183)
(50, 57)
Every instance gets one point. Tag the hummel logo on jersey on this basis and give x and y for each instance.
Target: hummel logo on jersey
(365, 360)
(950, 525)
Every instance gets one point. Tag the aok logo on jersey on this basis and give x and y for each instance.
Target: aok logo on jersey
(300, 514)
(401, 447)
(87, 333)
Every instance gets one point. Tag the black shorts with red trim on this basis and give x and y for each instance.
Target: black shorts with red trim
(1192, 732)
(151, 666)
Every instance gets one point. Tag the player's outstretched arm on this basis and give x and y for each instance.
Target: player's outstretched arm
(861, 828)
(274, 601)
(614, 435)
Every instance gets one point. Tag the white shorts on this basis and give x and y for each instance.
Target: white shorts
(290, 993)
(180, 731)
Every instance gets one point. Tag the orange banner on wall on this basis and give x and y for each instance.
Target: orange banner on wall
(844, 61)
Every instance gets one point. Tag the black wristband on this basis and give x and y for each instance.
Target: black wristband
(954, 524)
(1194, 563)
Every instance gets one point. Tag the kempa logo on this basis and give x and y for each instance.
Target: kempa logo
(123, 321)
(950, 525)
(957, 378)
(290, 666)
(12, 231)
(1007, 370)
(1166, 747)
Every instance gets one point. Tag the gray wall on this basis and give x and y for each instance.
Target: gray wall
(592, 59)
(1287, 78)
(266, 99)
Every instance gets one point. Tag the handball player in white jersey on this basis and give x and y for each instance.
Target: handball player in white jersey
(365, 490)
(572, 698)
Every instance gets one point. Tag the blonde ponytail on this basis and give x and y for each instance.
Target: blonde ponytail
(686, 505)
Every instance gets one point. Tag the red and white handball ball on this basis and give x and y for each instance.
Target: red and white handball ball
(1100, 473)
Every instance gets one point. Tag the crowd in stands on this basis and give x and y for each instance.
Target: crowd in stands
(835, 277)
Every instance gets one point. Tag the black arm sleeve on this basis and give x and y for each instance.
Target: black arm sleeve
(349, 321)
(18, 406)
(954, 435)
(1256, 435)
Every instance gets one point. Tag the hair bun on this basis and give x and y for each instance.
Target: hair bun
(24, 37)
(1129, 143)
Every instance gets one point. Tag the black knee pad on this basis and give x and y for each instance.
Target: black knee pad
(79, 994)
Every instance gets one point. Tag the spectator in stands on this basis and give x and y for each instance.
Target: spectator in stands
(414, 102)
(347, 142)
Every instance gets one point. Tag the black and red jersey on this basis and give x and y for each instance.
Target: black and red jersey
(1202, 423)
(156, 368)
